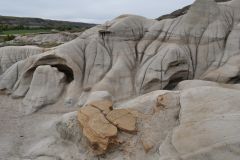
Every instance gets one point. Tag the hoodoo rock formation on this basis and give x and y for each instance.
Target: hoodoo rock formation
(116, 78)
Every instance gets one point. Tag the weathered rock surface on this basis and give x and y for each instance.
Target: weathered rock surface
(181, 12)
(200, 122)
(41, 39)
(208, 126)
(146, 55)
(115, 72)
(11, 55)
(45, 88)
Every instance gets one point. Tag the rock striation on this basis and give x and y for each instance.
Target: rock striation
(47, 40)
(146, 55)
(49, 84)
(136, 88)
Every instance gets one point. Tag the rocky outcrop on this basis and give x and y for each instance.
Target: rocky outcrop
(181, 12)
(116, 72)
(146, 55)
(46, 87)
(208, 126)
(11, 55)
(196, 123)
(46, 39)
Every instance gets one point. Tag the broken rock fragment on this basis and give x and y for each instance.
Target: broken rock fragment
(98, 130)
(105, 106)
(100, 124)
(123, 119)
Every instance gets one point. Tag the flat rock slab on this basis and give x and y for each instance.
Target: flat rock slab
(100, 124)
(123, 119)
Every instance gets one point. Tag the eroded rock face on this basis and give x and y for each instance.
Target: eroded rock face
(112, 69)
(12, 54)
(41, 39)
(205, 128)
(45, 88)
(131, 55)
(208, 125)
(199, 122)
(140, 128)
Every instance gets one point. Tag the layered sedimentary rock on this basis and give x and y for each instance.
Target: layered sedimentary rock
(46, 87)
(200, 121)
(12, 54)
(116, 73)
(147, 55)
(46, 39)
(208, 126)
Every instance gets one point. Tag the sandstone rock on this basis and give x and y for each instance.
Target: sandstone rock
(208, 126)
(88, 97)
(104, 106)
(98, 130)
(12, 54)
(123, 61)
(123, 119)
(147, 145)
(41, 39)
(144, 55)
(100, 122)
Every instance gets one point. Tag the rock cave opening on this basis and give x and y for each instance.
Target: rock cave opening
(175, 79)
(66, 70)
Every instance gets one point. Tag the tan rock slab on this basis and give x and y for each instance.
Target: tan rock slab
(96, 128)
(104, 105)
(123, 119)
(102, 127)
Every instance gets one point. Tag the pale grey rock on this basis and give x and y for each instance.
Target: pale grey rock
(10, 76)
(144, 55)
(98, 96)
(154, 123)
(53, 38)
(188, 84)
(45, 88)
(208, 127)
(12, 54)
(199, 122)
(128, 60)
(68, 127)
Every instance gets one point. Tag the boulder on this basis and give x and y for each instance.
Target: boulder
(123, 119)
(98, 130)
(208, 126)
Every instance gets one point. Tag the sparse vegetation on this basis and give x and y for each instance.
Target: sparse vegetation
(11, 27)
(21, 26)
(9, 37)
(25, 31)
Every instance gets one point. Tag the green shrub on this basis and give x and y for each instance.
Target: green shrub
(8, 37)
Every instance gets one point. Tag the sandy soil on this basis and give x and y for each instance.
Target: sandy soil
(18, 132)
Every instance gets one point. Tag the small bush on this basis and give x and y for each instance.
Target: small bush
(9, 37)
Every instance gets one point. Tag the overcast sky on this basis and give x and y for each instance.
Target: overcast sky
(93, 11)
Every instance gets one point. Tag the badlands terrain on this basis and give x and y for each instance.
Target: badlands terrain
(130, 89)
